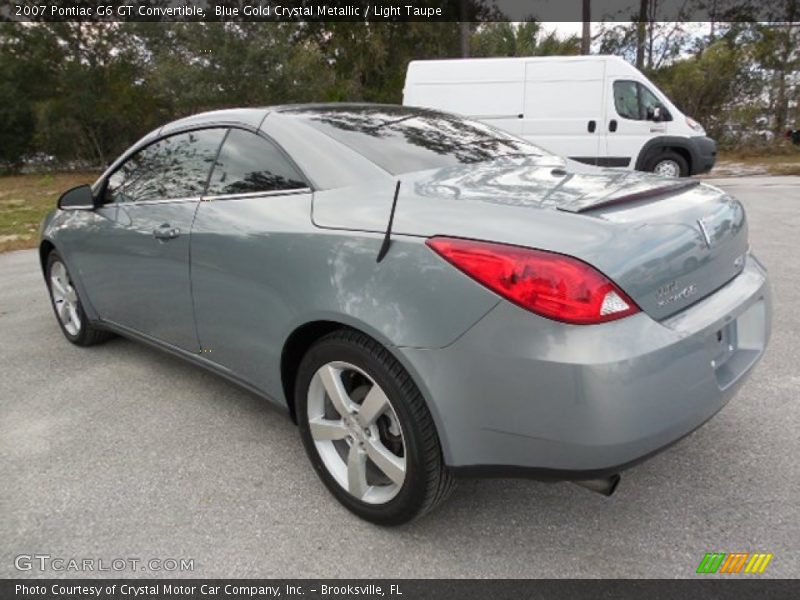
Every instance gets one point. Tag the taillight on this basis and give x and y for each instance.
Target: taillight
(552, 285)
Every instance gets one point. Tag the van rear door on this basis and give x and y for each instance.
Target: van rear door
(486, 89)
(564, 106)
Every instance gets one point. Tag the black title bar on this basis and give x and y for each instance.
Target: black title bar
(733, 588)
(391, 10)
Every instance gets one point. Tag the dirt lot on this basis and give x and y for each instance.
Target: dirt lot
(732, 165)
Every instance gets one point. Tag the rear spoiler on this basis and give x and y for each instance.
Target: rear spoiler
(613, 200)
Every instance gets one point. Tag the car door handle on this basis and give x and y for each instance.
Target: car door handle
(166, 232)
(612, 125)
(592, 126)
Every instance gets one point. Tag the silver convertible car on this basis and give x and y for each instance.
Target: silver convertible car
(426, 296)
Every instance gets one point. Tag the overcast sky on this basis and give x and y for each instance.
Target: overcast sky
(566, 28)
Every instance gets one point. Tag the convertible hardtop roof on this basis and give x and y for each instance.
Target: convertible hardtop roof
(323, 107)
(254, 117)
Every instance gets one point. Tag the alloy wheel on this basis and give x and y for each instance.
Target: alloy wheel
(356, 432)
(65, 298)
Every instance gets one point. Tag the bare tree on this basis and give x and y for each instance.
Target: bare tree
(586, 38)
(464, 33)
(712, 15)
(641, 33)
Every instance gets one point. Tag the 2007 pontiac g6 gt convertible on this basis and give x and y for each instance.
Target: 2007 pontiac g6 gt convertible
(425, 295)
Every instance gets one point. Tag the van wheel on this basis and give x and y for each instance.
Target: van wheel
(669, 164)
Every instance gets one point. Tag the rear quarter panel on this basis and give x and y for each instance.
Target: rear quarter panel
(261, 269)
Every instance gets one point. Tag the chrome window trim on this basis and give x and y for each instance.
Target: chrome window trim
(297, 191)
(159, 201)
(292, 192)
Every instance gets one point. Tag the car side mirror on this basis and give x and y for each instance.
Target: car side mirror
(78, 198)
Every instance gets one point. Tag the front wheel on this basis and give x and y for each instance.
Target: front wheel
(669, 164)
(67, 305)
(367, 430)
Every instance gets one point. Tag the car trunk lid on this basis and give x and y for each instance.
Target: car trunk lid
(684, 246)
(667, 243)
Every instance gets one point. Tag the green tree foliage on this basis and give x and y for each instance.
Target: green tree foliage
(16, 108)
(523, 39)
(85, 91)
(82, 92)
(705, 85)
(778, 54)
(81, 85)
(661, 42)
(368, 60)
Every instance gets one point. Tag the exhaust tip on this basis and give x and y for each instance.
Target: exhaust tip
(604, 485)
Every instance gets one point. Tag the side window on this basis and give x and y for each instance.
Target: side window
(649, 101)
(115, 187)
(626, 99)
(175, 167)
(248, 163)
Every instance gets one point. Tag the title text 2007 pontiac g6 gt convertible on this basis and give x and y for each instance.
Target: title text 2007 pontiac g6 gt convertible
(427, 296)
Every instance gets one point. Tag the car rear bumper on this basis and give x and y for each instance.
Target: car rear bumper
(518, 394)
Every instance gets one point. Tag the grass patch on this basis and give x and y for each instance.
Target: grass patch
(26, 199)
(775, 164)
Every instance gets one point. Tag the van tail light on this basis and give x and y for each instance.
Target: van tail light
(552, 285)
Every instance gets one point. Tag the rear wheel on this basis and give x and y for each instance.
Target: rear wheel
(669, 164)
(67, 305)
(367, 431)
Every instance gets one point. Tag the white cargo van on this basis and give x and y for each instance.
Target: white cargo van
(594, 109)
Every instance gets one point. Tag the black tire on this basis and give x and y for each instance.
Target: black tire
(427, 481)
(87, 334)
(671, 157)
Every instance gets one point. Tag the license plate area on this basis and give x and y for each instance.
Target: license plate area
(736, 346)
(724, 344)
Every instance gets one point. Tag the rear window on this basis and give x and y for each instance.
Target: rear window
(403, 140)
(248, 163)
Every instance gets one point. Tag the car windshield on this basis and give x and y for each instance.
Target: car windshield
(403, 140)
